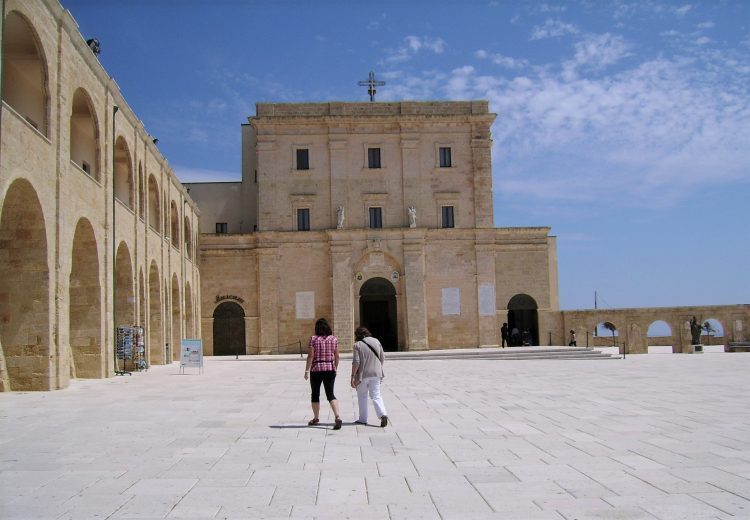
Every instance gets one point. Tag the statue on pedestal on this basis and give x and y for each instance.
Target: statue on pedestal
(412, 217)
(340, 217)
(695, 331)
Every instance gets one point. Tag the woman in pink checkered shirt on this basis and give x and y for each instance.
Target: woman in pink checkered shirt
(322, 362)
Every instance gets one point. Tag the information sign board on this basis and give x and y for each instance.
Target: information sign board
(191, 354)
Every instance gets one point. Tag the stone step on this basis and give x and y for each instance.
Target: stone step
(509, 353)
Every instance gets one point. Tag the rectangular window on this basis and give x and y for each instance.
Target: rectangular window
(303, 219)
(447, 220)
(376, 217)
(373, 157)
(303, 159)
(445, 157)
(221, 227)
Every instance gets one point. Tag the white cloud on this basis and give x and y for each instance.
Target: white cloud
(683, 10)
(552, 29)
(413, 45)
(703, 40)
(706, 25)
(597, 51)
(501, 60)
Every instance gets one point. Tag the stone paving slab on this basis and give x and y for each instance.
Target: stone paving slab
(649, 437)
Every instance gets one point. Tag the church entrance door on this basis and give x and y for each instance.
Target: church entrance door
(522, 315)
(229, 329)
(377, 311)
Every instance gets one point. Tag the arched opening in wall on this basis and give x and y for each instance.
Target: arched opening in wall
(167, 324)
(176, 319)
(377, 311)
(25, 72)
(123, 173)
(174, 224)
(229, 329)
(155, 347)
(523, 320)
(24, 290)
(124, 287)
(606, 334)
(141, 194)
(84, 135)
(189, 323)
(712, 332)
(141, 299)
(154, 217)
(188, 239)
(85, 305)
(660, 338)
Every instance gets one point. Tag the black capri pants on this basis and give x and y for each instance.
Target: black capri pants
(328, 378)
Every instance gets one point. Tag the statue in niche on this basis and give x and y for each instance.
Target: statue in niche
(412, 217)
(340, 217)
(695, 331)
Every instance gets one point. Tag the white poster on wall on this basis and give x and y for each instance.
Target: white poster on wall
(451, 299)
(487, 300)
(306, 305)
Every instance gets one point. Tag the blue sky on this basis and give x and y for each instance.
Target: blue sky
(624, 126)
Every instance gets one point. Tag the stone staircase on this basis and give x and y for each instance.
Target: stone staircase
(510, 353)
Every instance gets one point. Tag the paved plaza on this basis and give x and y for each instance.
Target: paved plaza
(648, 437)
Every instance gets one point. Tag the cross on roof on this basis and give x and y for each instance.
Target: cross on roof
(371, 83)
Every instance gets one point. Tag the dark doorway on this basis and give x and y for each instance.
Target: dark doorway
(229, 330)
(377, 311)
(522, 315)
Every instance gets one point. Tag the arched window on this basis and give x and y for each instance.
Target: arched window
(123, 173)
(141, 193)
(84, 135)
(174, 224)
(154, 217)
(25, 72)
(188, 238)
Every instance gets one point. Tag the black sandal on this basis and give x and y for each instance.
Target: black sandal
(337, 424)
(313, 422)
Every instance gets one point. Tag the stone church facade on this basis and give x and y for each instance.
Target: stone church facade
(75, 164)
(368, 213)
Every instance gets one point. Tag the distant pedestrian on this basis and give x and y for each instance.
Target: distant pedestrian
(515, 337)
(504, 335)
(322, 362)
(367, 374)
(572, 342)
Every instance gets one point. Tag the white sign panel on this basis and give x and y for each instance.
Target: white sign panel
(486, 300)
(306, 305)
(451, 299)
(191, 354)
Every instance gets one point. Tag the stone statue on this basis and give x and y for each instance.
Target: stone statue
(695, 331)
(412, 217)
(340, 217)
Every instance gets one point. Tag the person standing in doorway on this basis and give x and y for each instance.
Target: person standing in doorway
(367, 374)
(322, 362)
(572, 342)
(504, 334)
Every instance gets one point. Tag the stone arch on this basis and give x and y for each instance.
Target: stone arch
(188, 238)
(660, 336)
(712, 328)
(25, 71)
(607, 332)
(174, 227)
(229, 329)
(154, 216)
(123, 173)
(176, 318)
(124, 287)
(189, 321)
(523, 315)
(84, 134)
(24, 290)
(141, 193)
(85, 304)
(378, 311)
(155, 345)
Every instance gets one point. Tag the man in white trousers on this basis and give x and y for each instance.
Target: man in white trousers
(367, 373)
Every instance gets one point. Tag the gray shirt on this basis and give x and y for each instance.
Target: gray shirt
(368, 364)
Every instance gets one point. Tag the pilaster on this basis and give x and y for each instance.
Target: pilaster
(488, 328)
(343, 309)
(268, 296)
(416, 304)
(482, 162)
